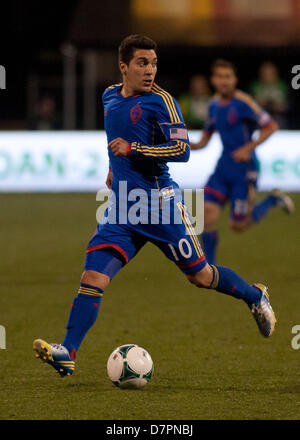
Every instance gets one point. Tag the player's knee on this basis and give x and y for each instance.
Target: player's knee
(94, 278)
(211, 215)
(202, 278)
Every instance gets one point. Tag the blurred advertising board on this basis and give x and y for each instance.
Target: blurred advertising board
(77, 161)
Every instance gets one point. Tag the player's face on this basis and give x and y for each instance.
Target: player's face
(224, 80)
(140, 73)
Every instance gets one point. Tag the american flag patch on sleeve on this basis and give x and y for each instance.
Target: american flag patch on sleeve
(178, 133)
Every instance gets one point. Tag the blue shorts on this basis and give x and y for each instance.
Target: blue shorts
(178, 242)
(237, 189)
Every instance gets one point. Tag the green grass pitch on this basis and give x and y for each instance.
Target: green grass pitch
(210, 362)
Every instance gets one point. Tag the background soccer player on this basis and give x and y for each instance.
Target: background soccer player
(145, 130)
(235, 115)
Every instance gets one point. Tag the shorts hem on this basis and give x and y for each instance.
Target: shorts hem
(214, 194)
(193, 267)
(109, 245)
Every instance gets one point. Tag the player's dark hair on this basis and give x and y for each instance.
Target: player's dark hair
(133, 42)
(223, 63)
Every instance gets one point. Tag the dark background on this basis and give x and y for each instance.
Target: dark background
(32, 34)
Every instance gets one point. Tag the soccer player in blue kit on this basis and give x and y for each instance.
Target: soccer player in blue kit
(235, 115)
(145, 130)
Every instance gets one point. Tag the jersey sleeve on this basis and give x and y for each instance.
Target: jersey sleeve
(252, 111)
(169, 118)
(106, 95)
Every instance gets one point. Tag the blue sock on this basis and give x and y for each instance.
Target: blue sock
(261, 209)
(227, 281)
(210, 241)
(83, 314)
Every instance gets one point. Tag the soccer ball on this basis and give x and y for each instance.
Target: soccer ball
(130, 366)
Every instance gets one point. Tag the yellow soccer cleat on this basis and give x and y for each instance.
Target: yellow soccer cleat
(55, 355)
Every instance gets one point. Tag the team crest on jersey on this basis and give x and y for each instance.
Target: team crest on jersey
(232, 117)
(135, 113)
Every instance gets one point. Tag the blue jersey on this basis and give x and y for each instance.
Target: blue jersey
(153, 124)
(236, 121)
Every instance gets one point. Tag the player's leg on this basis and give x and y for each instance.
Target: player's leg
(224, 280)
(95, 278)
(275, 199)
(242, 196)
(108, 251)
(210, 235)
(244, 212)
(214, 200)
(100, 267)
(184, 249)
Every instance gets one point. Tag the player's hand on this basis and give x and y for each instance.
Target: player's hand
(243, 154)
(119, 147)
(109, 180)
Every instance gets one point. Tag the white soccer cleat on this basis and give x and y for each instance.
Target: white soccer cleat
(263, 312)
(284, 201)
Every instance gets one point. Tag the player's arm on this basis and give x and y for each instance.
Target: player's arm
(207, 132)
(176, 150)
(169, 119)
(267, 126)
(264, 133)
(205, 138)
(168, 116)
(243, 153)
